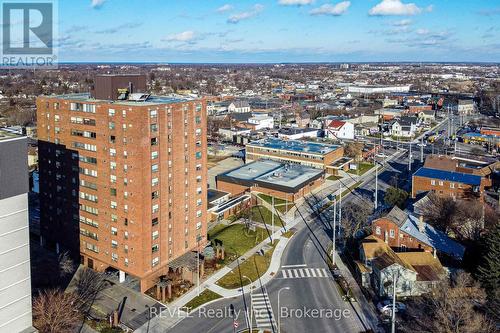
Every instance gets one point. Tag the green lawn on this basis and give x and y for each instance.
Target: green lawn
(236, 239)
(263, 215)
(334, 177)
(204, 297)
(362, 168)
(253, 267)
(279, 204)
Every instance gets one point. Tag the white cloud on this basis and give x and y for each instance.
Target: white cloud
(333, 10)
(396, 7)
(225, 8)
(402, 23)
(97, 3)
(257, 8)
(295, 2)
(185, 36)
(422, 31)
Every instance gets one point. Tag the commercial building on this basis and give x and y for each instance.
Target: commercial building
(311, 154)
(377, 89)
(453, 176)
(15, 276)
(286, 181)
(123, 177)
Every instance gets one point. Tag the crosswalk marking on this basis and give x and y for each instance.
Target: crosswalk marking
(301, 273)
(261, 307)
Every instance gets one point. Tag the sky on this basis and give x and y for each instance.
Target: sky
(213, 31)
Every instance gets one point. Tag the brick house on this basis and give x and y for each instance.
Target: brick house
(409, 233)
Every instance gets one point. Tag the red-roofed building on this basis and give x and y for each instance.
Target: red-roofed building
(337, 129)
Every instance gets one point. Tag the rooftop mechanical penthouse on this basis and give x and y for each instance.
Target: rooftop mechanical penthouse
(123, 177)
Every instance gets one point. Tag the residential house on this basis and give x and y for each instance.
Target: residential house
(337, 129)
(406, 232)
(405, 127)
(239, 106)
(466, 106)
(302, 119)
(293, 133)
(415, 273)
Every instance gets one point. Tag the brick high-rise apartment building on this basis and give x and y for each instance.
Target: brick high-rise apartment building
(123, 176)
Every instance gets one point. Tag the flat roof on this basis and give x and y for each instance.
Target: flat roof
(272, 174)
(152, 100)
(458, 177)
(296, 130)
(295, 146)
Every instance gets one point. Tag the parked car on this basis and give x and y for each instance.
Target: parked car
(386, 306)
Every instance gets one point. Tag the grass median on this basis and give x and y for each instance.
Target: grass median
(253, 268)
(204, 297)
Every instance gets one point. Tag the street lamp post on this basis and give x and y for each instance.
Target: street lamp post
(279, 309)
(376, 185)
(249, 312)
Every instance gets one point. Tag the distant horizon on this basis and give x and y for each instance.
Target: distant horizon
(278, 31)
(281, 63)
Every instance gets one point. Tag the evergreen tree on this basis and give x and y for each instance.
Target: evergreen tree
(488, 271)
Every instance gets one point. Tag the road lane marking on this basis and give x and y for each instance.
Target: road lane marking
(291, 266)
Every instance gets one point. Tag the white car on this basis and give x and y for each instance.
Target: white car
(386, 307)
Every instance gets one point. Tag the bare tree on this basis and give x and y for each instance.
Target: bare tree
(55, 311)
(89, 284)
(66, 265)
(452, 307)
(354, 218)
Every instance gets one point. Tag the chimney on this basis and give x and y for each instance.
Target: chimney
(421, 226)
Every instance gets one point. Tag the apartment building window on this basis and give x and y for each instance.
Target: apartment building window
(89, 197)
(198, 179)
(433, 182)
(198, 167)
(111, 125)
(112, 179)
(114, 244)
(198, 202)
(112, 192)
(125, 262)
(84, 146)
(440, 183)
(198, 225)
(112, 165)
(88, 221)
(56, 106)
(155, 248)
(111, 112)
(154, 155)
(154, 221)
(114, 218)
(125, 235)
(154, 141)
(56, 118)
(86, 159)
(452, 185)
(153, 113)
(92, 247)
(198, 213)
(377, 230)
(155, 195)
(198, 132)
(392, 233)
(114, 231)
(155, 261)
(198, 190)
(124, 113)
(155, 234)
(154, 181)
(155, 208)
(198, 155)
(154, 168)
(88, 172)
(198, 107)
(112, 139)
(198, 143)
(198, 119)
(154, 127)
(113, 205)
(114, 257)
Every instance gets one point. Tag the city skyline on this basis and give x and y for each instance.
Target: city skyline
(302, 31)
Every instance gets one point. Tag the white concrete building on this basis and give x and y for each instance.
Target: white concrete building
(239, 107)
(15, 276)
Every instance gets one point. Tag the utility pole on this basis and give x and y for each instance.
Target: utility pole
(422, 150)
(334, 227)
(376, 185)
(393, 321)
(340, 205)
(272, 219)
(409, 159)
